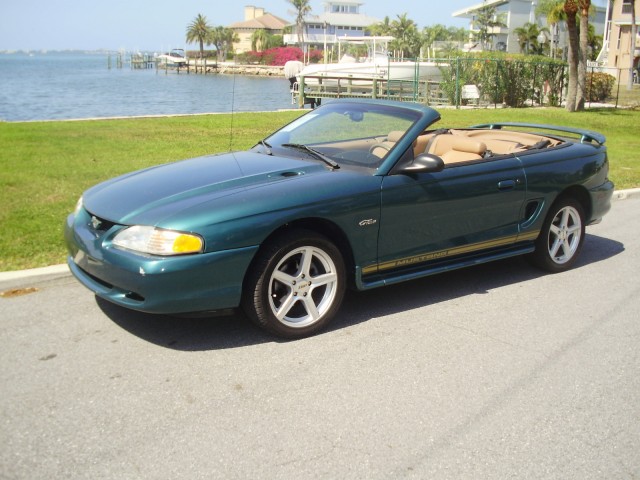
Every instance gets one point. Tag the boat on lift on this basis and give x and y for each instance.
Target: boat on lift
(377, 64)
(175, 57)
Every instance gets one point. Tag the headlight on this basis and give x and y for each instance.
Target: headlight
(157, 241)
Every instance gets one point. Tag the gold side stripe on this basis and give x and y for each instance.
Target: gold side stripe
(450, 252)
(528, 236)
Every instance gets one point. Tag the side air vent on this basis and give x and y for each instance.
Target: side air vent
(531, 210)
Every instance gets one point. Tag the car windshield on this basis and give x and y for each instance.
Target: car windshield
(342, 134)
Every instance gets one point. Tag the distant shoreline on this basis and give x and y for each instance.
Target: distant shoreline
(159, 115)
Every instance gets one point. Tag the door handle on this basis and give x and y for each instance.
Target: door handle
(506, 185)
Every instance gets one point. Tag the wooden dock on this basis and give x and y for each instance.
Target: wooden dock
(311, 89)
(192, 65)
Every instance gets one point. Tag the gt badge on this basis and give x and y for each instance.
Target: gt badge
(368, 221)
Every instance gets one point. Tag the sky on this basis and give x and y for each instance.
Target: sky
(159, 25)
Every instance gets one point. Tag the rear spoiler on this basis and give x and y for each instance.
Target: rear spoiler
(585, 135)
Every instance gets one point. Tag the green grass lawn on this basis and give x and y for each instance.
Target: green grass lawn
(45, 166)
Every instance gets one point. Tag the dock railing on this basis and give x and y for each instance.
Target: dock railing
(311, 89)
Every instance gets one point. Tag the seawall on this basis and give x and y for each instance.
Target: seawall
(194, 66)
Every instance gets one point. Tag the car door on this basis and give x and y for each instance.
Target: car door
(464, 209)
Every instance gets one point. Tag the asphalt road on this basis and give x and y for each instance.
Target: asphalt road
(498, 371)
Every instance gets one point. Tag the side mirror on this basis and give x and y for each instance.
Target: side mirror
(425, 163)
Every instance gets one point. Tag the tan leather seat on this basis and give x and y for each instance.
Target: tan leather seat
(382, 148)
(420, 144)
(441, 143)
(463, 149)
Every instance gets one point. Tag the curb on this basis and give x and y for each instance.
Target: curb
(63, 269)
(624, 194)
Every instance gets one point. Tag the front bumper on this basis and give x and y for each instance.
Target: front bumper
(167, 285)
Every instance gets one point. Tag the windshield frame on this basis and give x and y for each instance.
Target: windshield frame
(344, 131)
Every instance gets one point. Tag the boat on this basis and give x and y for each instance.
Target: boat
(173, 58)
(378, 64)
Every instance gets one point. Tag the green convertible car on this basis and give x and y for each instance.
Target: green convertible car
(354, 193)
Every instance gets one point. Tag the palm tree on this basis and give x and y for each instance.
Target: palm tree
(223, 39)
(584, 6)
(433, 34)
(303, 8)
(553, 10)
(260, 40)
(524, 36)
(571, 10)
(457, 34)
(199, 31)
(528, 38)
(382, 28)
(405, 32)
(486, 20)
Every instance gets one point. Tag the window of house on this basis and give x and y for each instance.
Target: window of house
(627, 6)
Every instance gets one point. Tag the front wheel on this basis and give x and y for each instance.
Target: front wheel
(296, 284)
(561, 238)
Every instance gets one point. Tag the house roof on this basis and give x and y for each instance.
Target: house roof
(266, 21)
(473, 8)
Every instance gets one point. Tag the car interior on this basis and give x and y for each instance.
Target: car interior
(454, 145)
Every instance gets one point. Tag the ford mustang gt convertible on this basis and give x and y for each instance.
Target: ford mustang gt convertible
(357, 194)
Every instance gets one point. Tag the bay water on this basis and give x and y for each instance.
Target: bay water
(57, 86)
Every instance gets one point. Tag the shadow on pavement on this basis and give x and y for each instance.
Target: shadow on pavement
(233, 331)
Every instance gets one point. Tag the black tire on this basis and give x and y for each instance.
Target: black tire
(295, 285)
(561, 237)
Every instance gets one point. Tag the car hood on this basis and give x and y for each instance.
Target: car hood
(152, 195)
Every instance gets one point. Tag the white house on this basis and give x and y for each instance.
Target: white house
(514, 14)
(339, 19)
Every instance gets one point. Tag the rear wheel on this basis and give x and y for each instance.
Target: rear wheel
(561, 238)
(296, 284)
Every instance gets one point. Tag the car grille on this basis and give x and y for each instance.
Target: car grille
(99, 224)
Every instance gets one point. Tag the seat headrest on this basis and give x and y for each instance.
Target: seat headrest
(395, 135)
(462, 144)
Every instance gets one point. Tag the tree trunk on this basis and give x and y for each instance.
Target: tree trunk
(582, 60)
(571, 9)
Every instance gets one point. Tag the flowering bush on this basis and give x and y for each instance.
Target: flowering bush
(279, 56)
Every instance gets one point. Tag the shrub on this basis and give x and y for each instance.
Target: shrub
(599, 86)
(507, 79)
(316, 56)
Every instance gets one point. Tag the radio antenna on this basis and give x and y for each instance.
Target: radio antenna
(233, 97)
